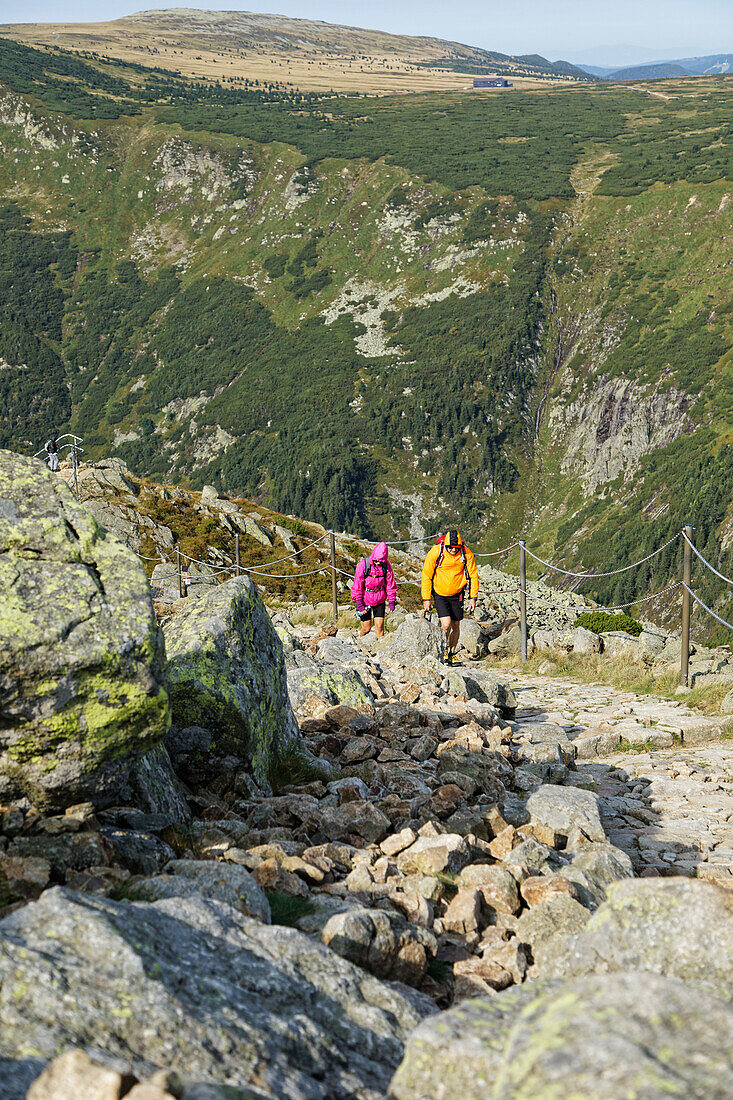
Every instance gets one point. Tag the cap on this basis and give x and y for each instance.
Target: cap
(453, 539)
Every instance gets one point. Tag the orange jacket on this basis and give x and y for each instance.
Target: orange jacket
(450, 576)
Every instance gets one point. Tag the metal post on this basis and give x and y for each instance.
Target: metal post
(686, 579)
(334, 607)
(180, 574)
(523, 598)
(236, 554)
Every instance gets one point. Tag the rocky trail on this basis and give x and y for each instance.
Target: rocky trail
(668, 803)
(245, 857)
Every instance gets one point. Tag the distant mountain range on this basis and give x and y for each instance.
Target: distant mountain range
(712, 65)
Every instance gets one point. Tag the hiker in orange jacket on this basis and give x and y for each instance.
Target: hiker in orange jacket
(448, 570)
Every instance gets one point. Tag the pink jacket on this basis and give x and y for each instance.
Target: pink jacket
(380, 585)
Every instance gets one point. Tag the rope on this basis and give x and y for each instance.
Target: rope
(297, 553)
(708, 609)
(611, 572)
(705, 561)
(496, 553)
(572, 607)
(286, 576)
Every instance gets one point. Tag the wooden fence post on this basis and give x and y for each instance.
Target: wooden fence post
(686, 580)
(334, 607)
(523, 599)
(181, 590)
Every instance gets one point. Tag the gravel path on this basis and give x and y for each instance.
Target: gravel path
(670, 808)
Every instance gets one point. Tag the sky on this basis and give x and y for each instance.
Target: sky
(627, 30)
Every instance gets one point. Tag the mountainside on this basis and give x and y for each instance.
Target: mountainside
(383, 315)
(661, 71)
(315, 56)
(711, 65)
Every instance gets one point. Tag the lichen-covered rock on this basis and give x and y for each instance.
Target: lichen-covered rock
(671, 926)
(333, 685)
(192, 985)
(226, 674)
(382, 942)
(81, 664)
(595, 1038)
(203, 878)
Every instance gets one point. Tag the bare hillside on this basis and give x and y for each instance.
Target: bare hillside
(313, 56)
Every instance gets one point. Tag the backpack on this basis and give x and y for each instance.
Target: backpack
(441, 555)
(368, 572)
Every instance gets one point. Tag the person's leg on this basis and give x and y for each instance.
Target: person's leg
(445, 627)
(366, 626)
(453, 635)
(379, 627)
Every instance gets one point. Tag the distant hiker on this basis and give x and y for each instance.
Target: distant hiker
(448, 570)
(374, 587)
(52, 450)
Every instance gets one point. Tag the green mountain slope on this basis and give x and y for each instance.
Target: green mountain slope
(511, 312)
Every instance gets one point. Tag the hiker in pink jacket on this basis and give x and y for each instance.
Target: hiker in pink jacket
(374, 586)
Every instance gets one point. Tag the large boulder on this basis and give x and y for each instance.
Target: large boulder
(595, 1038)
(226, 674)
(565, 809)
(81, 662)
(191, 984)
(413, 641)
(676, 927)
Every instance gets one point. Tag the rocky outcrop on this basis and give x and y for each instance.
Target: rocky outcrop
(609, 429)
(81, 668)
(226, 674)
(601, 1036)
(674, 927)
(624, 1032)
(192, 984)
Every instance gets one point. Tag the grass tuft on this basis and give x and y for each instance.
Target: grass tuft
(292, 770)
(287, 909)
(623, 673)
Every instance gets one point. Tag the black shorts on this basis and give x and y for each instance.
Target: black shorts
(377, 612)
(449, 607)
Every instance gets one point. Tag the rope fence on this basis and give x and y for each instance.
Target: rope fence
(521, 589)
(611, 572)
(181, 562)
(709, 610)
(72, 445)
(705, 561)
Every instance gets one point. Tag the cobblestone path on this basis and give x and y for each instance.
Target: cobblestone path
(671, 807)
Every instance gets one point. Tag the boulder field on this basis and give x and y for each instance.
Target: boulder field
(295, 863)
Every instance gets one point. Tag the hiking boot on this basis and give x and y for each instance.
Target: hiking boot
(450, 658)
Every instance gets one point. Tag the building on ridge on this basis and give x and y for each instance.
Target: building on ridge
(491, 82)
